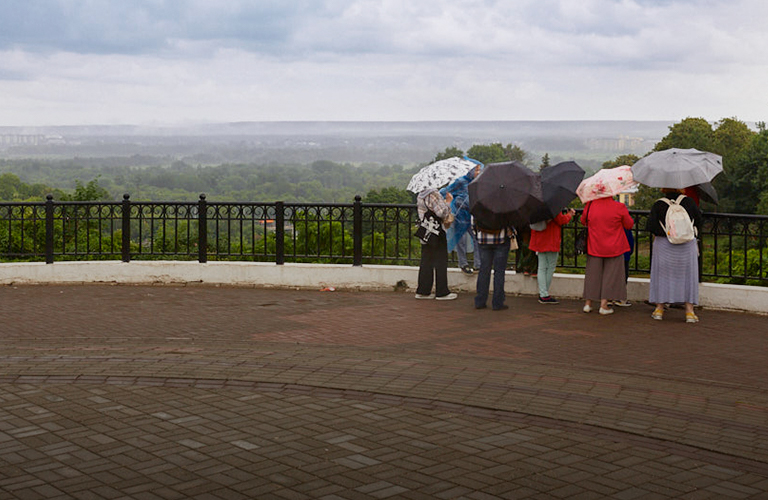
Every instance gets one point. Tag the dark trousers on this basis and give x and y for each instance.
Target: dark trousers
(434, 266)
(493, 257)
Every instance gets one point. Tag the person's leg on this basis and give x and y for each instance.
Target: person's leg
(484, 276)
(476, 256)
(425, 271)
(500, 253)
(547, 265)
(461, 251)
(440, 263)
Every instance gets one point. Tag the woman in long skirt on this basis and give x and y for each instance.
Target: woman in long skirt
(674, 267)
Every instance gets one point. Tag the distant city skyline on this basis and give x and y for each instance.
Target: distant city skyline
(149, 62)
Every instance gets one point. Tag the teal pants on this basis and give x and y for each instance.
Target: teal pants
(547, 265)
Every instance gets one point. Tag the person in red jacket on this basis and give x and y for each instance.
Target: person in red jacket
(546, 244)
(604, 278)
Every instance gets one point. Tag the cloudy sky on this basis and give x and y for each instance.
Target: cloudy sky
(198, 61)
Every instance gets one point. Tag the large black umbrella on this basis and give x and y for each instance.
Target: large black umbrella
(505, 194)
(558, 183)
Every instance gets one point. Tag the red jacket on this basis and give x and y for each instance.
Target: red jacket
(549, 239)
(607, 221)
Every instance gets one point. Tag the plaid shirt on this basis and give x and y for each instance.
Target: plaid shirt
(492, 237)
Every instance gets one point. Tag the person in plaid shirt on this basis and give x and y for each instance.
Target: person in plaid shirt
(494, 250)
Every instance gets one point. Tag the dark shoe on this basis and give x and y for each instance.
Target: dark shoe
(481, 307)
(467, 270)
(548, 300)
(502, 308)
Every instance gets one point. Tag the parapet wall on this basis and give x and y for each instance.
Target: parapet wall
(338, 276)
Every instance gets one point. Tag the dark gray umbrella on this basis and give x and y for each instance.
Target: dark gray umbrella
(558, 183)
(505, 194)
(677, 168)
(707, 192)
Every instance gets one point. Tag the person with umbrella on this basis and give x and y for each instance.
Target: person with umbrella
(460, 229)
(606, 220)
(434, 212)
(559, 184)
(675, 262)
(503, 196)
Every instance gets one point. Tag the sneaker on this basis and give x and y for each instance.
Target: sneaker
(450, 296)
(425, 297)
(548, 300)
(587, 309)
(605, 312)
(622, 303)
(534, 275)
(658, 314)
(467, 270)
(691, 318)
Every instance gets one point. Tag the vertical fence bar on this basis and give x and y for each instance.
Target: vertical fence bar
(357, 231)
(126, 228)
(279, 233)
(202, 230)
(49, 229)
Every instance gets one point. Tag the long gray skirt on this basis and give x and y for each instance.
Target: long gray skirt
(674, 272)
(604, 278)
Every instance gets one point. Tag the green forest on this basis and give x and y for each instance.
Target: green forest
(742, 188)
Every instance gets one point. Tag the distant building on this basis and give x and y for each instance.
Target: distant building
(628, 197)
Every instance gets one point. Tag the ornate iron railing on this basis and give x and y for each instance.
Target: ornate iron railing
(733, 246)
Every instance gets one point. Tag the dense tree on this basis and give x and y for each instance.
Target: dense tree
(694, 133)
(448, 153)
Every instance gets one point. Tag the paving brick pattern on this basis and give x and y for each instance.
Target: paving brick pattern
(223, 393)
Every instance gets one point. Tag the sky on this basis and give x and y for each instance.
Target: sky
(173, 62)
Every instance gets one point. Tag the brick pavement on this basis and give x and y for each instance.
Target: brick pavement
(216, 392)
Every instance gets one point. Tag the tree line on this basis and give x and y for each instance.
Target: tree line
(742, 188)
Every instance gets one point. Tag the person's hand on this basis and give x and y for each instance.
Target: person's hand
(448, 197)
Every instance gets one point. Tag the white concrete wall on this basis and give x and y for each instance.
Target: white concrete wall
(341, 277)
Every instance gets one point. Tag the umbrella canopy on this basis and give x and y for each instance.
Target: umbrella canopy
(505, 194)
(558, 184)
(606, 183)
(677, 168)
(707, 192)
(440, 173)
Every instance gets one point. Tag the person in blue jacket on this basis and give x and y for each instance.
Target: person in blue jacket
(459, 231)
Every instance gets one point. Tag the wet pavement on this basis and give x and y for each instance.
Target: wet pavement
(163, 392)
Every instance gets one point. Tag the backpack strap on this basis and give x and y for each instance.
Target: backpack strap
(679, 199)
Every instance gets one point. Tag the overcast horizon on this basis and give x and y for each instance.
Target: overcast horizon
(168, 63)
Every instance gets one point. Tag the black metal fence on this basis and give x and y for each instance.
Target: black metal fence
(733, 246)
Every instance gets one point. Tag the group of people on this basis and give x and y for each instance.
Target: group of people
(674, 266)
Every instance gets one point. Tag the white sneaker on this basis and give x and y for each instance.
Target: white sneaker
(605, 311)
(425, 297)
(450, 296)
(587, 309)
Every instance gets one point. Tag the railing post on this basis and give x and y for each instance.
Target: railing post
(357, 231)
(49, 229)
(279, 233)
(202, 230)
(126, 227)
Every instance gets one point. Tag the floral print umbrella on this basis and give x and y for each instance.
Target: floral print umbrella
(440, 173)
(606, 183)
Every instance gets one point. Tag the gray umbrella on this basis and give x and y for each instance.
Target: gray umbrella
(677, 168)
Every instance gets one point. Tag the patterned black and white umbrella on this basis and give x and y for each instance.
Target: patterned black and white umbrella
(440, 173)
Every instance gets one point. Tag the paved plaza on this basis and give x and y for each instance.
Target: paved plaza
(175, 392)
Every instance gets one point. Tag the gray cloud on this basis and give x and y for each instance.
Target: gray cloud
(381, 59)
